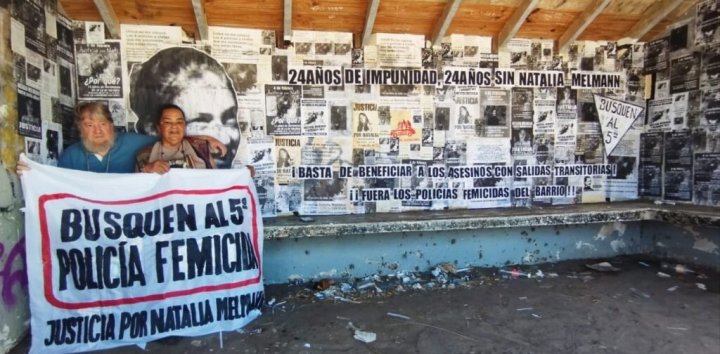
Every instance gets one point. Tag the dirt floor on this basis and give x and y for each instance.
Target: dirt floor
(570, 309)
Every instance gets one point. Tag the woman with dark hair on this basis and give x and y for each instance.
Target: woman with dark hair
(173, 150)
(192, 79)
(463, 116)
(363, 123)
(284, 159)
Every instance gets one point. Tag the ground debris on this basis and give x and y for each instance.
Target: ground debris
(603, 267)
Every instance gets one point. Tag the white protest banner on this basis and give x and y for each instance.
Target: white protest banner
(616, 117)
(129, 258)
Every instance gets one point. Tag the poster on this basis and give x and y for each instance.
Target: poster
(31, 13)
(65, 40)
(706, 179)
(651, 159)
(678, 166)
(616, 117)
(685, 73)
(29, 111)
(282, 109)
(656, 56)
(706, 23)
(399, 50)
(494, 120)
(99, 70)
(52, 143)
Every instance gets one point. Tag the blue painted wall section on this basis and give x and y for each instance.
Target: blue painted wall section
(361, 255)
(686, 243)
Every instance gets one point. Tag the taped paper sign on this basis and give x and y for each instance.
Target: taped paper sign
(616, 117)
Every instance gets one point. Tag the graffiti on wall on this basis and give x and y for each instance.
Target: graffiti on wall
(12, 272)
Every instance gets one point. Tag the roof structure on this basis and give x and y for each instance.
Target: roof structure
(559, 20)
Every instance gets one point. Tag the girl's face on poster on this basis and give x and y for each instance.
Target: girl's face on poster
(210, 109)
(522, 134)
(464, 112)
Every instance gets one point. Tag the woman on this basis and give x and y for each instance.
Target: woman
(173, 150)
(363, 123)
(192, 79)
(463, 116)
(284, 159)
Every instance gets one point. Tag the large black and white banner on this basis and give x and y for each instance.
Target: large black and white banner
(452, 76)
(126, 259)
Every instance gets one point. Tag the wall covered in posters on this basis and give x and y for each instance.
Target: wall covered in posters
(398, 126)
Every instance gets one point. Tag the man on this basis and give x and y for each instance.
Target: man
(588, 184)
(102, 150)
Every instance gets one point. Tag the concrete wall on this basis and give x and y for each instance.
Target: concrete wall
(360, 255)
(14, 312)
(690, 244)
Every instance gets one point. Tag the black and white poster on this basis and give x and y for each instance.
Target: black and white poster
(651, 157)
(51, 143)
(685, 73)
(522, 122)
(65, 41)
(282, 108)
(706, 22)
(678, 166)
(656, 55)
(494, 118)
(70, 132)
(29, 123)
(678, 38)
(65, 80)
(99, 70)
(32, 14)
(711, 66)
(706, 181)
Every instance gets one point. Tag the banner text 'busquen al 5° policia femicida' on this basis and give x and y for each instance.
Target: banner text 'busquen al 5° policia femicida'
(124, 259)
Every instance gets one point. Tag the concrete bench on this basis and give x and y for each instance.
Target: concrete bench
(358, 245)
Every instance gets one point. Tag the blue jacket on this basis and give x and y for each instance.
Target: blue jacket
(120, 158)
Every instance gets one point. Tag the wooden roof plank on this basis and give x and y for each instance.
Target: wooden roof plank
(656, 13)
(370, 21)
(200, 19)
(683, 13)
(581, 23)
(109, 17)
(445, 20)
(512, 26)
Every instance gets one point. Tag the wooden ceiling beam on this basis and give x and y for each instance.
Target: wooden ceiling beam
(445, 20)
(287, 20)
(61, 9)
(200, 19)
(578, 26)
(370, 20)
(109, 17)
(516, 20)
(655, 14)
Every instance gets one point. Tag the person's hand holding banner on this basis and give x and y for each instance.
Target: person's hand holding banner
(130, 258)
